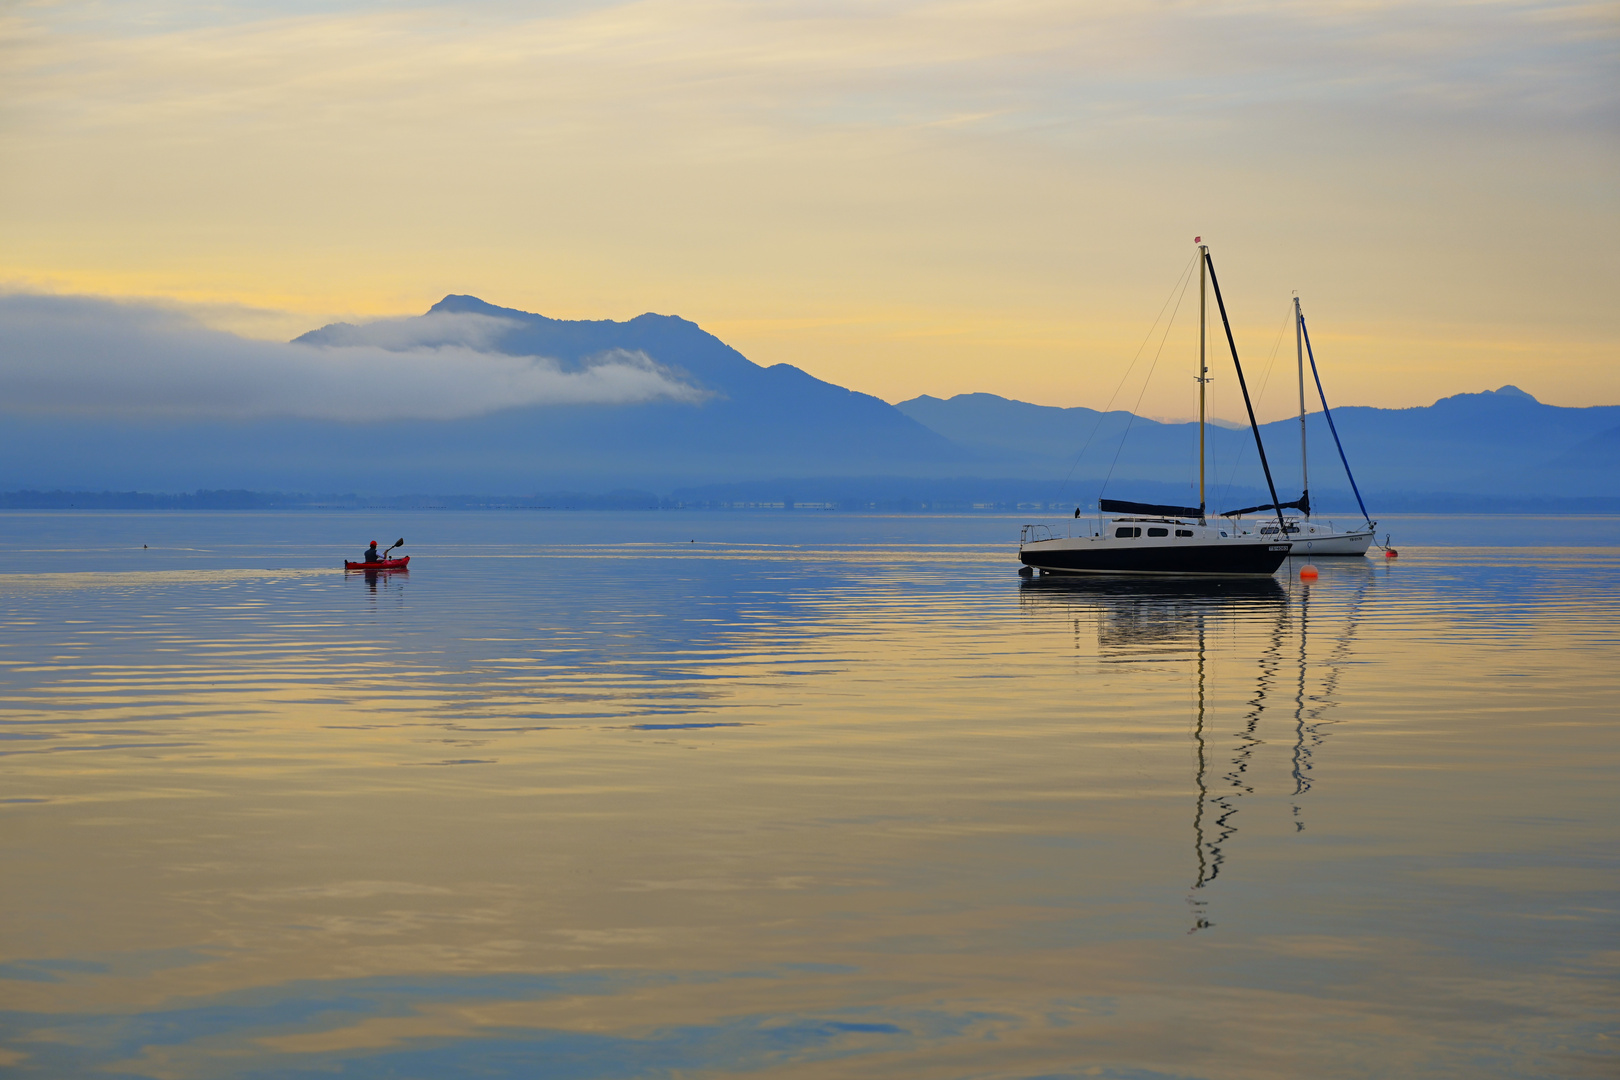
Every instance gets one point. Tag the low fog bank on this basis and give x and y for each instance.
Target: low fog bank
(87, 356)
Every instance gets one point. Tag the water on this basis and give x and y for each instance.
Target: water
(798, 795)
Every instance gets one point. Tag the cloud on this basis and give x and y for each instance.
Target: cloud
(86, 355)
(896, 63)
(435, 330)
(1014, 172)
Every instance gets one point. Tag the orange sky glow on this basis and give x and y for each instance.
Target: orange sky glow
(903, 198)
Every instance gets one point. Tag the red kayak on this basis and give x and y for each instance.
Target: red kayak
(381, 564)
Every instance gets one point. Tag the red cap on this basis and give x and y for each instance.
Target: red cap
(374, 543)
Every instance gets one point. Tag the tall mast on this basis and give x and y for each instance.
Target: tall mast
(1327, 414)
(1248, 403)
(1299, 356)
(1203, 366)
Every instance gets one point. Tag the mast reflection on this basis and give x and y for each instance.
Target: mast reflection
(1172, 619)
(1183, 620)
(1310, 709)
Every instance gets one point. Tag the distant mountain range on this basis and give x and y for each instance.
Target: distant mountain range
(754, 422)
(772, 434)
(1496, 442)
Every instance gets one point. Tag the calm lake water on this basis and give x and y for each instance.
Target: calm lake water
(799, 795)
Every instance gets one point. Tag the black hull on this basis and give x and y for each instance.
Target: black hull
(1222, 560)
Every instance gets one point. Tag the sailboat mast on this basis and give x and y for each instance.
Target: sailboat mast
(1248, 403)
(1299, 357)
(1203, 366)
(1327, 414)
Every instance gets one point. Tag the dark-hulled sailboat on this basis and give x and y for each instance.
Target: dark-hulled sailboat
(1150, 538)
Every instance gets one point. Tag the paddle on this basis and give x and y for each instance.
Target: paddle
(397, 543)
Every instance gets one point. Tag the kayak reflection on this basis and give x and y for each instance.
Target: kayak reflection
(372, 577)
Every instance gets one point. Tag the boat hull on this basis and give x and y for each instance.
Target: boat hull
(1102, 556)
(1312, 537)
(1355, 543)
(381, 564)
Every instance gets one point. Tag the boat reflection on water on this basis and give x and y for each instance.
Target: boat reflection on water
(392, 575)
(1179, 620)
(1311, 707)
(1137, 611)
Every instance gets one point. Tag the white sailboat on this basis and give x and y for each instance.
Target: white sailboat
(1310, 536)
(1149, 538)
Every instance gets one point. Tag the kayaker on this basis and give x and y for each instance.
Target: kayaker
(371, 553)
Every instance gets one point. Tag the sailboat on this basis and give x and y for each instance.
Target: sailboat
(1310, 537)
(1152, 538)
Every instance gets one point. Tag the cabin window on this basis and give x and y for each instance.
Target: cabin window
(1183, 532)
(1223, 532)
(1158, 532)
(1269, 530)
(1127, 531)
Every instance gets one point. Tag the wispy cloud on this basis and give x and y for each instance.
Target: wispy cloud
(916, 163)
(86, 355)
(897, 63)
(435, 330)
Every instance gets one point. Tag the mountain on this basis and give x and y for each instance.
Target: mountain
(751, 422)
(737, 431)
(1496, 442)
(1589, 467)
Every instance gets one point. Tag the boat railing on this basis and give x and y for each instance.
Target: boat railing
(1034, 534)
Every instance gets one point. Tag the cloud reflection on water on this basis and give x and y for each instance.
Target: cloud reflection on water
(779, 804)
(208, 1036)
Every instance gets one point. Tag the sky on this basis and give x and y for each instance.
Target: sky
(899, 197)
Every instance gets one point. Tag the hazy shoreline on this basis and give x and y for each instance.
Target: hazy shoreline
(748, 497)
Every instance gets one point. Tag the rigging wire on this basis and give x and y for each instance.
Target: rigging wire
(1180, 285)
(1143, 392)
(1265, 380)
(1243, 449)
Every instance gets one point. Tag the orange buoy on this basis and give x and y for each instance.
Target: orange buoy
(1391, 553)
(1307, 573)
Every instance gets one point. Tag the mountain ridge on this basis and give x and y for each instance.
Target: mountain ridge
(1481, 441)
(758, 425)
